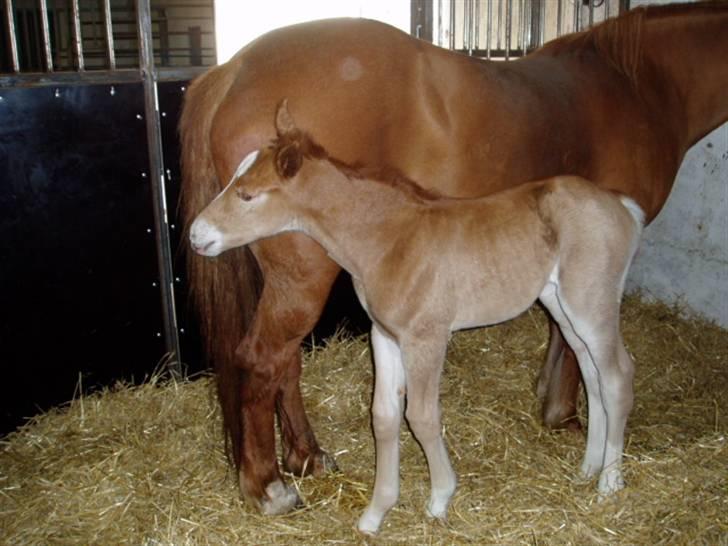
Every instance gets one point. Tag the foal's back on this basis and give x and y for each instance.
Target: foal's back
(492, 256)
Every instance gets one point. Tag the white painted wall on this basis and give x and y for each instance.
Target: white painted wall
(683, 256)
(238, 22)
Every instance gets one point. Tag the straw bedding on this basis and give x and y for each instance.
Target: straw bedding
(144, 465)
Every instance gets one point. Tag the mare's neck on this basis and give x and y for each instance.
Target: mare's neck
(355, 219)
(687, 51)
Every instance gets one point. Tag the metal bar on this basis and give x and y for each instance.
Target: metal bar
(559, 15)
(524, 37)
(12, 37)
(577, 18)
(156, 167)
(77, 37)
(466, 22)
(109, 33)
(452, 24)
(489, 31)
(48, 53)
(97, 77)
(439, 23)
(476, 23)
(509, 9)
(591, 13)
(541, 23)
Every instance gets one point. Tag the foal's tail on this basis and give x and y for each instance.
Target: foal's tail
(224, 290)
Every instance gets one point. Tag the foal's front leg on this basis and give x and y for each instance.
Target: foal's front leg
(387, 409)
(424, 357)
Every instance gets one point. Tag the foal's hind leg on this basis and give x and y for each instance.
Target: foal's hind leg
(591, 326)
(558, 383)
(297, 279)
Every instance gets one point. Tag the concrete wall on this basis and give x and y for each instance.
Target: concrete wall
(683, 256)
(684, 252)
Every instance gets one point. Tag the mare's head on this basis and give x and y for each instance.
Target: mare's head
(256, 203)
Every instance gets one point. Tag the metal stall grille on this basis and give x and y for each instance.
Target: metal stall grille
(87, 35)
(62, 43)
(505, 29)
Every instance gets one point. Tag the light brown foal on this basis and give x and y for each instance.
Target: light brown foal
(424, 266)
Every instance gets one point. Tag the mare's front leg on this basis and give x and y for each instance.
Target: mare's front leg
(424, 357)
(297, 279)
(558, 383)
(389, 390)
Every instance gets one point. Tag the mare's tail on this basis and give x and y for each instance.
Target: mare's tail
(224, 290)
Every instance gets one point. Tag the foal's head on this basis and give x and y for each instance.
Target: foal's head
(256, 204)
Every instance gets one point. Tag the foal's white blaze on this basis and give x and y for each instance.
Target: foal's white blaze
(245, 164)
(207, 239)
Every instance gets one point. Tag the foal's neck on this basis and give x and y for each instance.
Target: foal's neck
(356, 219)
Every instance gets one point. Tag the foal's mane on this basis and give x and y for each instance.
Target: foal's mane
(310, 149)
(619, 40)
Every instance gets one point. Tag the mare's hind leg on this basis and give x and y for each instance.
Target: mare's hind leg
(301, 453)
(591, 326)
(558, 383)
(297, 280)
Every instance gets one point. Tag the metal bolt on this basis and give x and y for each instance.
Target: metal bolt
(57, 93)
(154, 285)
(159, 334)
(171, 226)
(183, 88)
(181, 330)
(164, 114)
(149, 230)
(139, 116)
(177, 279)
(144, 175)
(112, 92)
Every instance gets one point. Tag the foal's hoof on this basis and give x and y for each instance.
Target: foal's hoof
(610, 481)
(281, 499)
(318, 465)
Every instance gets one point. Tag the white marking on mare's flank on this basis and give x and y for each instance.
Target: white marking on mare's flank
(245, 164)
(351, 69)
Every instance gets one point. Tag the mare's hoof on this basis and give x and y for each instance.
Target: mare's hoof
(281, 499)
(569, 424)
(319, 465)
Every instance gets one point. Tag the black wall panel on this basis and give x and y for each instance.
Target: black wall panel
(78, 273)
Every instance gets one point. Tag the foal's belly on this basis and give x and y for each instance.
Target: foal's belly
(495, 302)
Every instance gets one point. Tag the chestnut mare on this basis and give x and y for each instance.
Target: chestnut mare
(619, 104)
(424, 266)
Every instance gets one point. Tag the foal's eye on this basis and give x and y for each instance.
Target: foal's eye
(243, 195)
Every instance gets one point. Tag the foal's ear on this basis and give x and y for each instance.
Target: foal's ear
(284, 119)
(289, 160)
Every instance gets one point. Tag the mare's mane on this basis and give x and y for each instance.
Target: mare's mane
(619, 40)
(310, 149)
